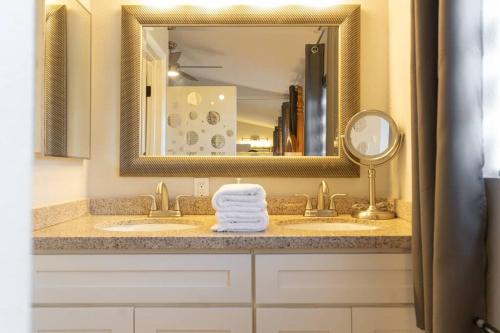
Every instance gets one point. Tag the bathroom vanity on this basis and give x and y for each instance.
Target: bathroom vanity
(118, 271)
(194, 280)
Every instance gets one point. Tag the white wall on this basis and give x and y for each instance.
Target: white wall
(491, 87)
(400, 92)
(55, 180)
(17, 93)
(104, 180)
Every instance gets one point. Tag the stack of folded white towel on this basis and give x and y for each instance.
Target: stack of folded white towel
(240, 208)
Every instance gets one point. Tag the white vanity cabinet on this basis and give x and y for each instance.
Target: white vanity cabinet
(329, 292)
(230, 293)
(161, 293)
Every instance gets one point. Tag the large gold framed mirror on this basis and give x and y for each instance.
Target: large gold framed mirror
(238, 91)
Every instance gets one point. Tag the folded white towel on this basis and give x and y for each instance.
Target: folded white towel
(226, 217)
(239, 227)
(240, 197)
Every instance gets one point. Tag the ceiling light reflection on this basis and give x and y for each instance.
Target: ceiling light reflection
(228, 3)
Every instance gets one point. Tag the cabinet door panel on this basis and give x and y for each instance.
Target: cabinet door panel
(384, 320)
(193, 320)
(316, 320)
(83, 320)
(150, 278)
(333, 278)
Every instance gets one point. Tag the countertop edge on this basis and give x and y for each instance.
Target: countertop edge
(374, 243)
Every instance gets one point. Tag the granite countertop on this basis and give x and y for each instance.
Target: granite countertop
(82, 234)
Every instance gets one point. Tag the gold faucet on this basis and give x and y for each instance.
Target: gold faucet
(162, 193)
(323, 193)
(322, 208)
(163, 210)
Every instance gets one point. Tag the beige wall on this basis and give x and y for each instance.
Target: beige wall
(58, 180)
(55, 180)
(104, 179)
(400, 92)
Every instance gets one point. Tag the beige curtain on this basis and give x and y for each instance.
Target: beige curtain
(448, 187)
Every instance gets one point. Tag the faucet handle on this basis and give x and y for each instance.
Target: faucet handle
(308, 203)
(332, 201)
(177, 204)
(153, 201)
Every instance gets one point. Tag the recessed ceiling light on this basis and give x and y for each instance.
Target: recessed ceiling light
(173, 73)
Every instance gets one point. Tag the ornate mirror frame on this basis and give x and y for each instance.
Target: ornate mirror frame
(346, 17)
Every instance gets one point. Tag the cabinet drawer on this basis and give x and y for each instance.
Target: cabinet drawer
(169, 278)
(384, 320)
(83, 320)
(303, 320)
(191, 320)
(334, 278)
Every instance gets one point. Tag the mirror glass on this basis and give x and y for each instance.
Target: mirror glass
(371, 135)
(239, 91)
(65, 120)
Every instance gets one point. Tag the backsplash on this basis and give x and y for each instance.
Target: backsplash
(138, 205)
(51, 215)
(277, 205)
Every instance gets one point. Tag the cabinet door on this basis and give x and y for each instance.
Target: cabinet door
(384, 320)
(310, 320)
(83, 320)
(193, 320)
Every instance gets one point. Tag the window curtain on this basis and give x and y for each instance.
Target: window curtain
(449, 204)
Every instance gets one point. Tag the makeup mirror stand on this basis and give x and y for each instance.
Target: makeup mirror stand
(372, 212)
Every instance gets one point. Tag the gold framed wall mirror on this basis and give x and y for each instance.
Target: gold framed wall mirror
(238, 91)
(63, 121)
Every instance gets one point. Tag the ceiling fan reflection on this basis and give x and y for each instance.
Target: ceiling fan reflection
(175, 69)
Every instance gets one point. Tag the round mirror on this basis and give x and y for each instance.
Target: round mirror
(371, 136)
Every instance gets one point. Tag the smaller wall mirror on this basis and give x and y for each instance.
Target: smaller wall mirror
(65, 118)
(372, 138)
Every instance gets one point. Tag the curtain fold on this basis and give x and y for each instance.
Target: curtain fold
(449, 203)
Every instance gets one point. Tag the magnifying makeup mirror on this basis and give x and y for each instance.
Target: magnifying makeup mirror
(371, 139)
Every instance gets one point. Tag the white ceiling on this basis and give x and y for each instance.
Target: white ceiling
(261, 61)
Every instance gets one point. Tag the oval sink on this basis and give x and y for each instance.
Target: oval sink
(148, 225)
(330, 226)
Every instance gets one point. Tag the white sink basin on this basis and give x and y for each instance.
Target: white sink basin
(148, 225)
(330, 226)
